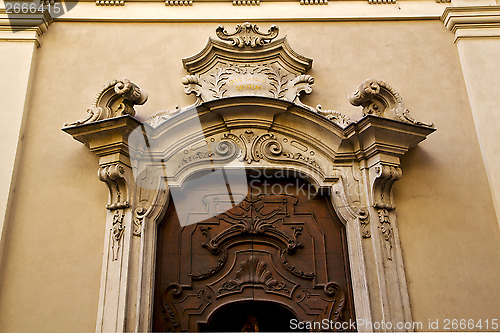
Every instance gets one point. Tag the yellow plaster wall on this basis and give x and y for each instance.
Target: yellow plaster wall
(448, 229)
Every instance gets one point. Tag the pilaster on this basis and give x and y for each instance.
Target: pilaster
(477, 36)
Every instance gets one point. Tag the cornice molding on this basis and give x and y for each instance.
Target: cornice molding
(23, 27)
(472, 21)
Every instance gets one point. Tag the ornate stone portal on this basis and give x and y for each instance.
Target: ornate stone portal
(248, 110)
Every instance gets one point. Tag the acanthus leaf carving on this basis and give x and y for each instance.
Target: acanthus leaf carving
(247, 34)
(378, 98)
(117, 98)
(139, 215)
(386, 231)
(117, 232)
(218, 81)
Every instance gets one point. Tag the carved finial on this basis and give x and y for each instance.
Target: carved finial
(247, 34)
(117, 98)
(378, 98)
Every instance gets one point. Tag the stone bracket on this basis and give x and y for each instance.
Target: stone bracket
(383, 179)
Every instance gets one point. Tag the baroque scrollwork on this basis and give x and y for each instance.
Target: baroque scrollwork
(253, 226)
(139, 215)
(247, 34)
(114, 176)
(378, 98)
(383, 179)
(117, 98)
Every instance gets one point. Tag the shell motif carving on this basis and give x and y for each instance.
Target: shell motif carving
(253, 271)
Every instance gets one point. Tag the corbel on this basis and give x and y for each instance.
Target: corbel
(384, 177)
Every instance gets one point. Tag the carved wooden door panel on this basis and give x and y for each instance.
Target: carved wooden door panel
(279, 245)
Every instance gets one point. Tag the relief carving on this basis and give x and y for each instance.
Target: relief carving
(139, 215)
(384, 178)
(252, 222)
(256, 226)
(378, 98)
(251, 147)
(247, 34)
(117, 98)
(117, 232)
(273, 70)
(337, 117)
(114, 176)
(386, 231)
(253, 272)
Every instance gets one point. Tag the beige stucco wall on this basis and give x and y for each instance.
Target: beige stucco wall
(448, 228)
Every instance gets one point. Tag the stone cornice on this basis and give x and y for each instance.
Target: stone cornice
(23, 27)
(472, 21)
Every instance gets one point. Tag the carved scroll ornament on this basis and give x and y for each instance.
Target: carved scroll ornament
(114, 176)
(378, 98)
(247, 34)
(117, 98)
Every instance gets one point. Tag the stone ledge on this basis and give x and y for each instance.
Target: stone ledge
(472, 21)
(24, 27)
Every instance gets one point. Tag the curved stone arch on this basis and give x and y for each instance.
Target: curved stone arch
(217, 117)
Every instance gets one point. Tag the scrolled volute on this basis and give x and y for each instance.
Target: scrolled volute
(247, 34)
(379, 99)
(115, 99)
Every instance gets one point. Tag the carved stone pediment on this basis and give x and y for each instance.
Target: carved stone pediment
(250, 64)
